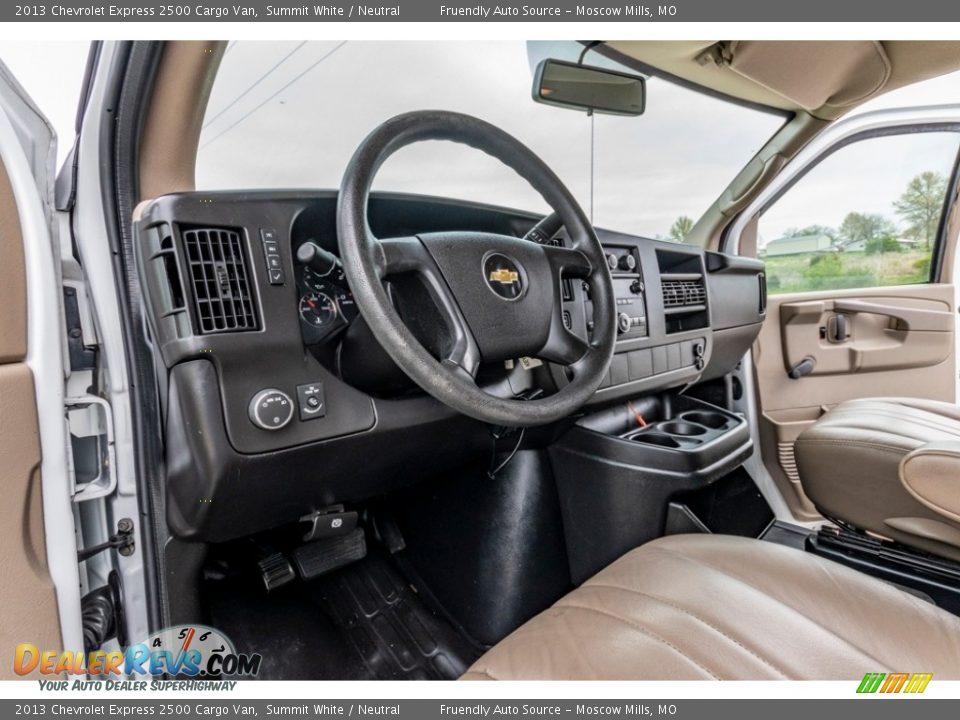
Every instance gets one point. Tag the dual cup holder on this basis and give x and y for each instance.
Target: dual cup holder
(685, 431)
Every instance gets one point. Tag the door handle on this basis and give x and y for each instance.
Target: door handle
(837, 328)
(913, 318)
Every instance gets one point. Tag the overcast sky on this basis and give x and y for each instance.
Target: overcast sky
(285, 114)
(301, 112)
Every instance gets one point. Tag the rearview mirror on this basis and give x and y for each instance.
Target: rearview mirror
(585, 87)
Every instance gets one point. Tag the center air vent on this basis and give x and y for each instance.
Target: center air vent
(683, 292)
(220, 278)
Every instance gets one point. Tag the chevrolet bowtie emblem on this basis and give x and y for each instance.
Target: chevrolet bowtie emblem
(504, 276)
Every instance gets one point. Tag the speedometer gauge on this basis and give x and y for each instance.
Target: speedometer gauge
(318, 309)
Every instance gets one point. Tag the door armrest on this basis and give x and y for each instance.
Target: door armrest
(932, 475)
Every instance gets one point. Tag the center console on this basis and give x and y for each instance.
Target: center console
(618, 470)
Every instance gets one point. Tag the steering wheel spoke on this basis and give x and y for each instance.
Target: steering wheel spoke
(400, 255)
(408, 255)
(569, 262)
(563, 347)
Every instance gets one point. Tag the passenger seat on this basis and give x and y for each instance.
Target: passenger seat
(890, 466)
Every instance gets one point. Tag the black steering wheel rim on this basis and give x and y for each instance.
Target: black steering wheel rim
(368, 260)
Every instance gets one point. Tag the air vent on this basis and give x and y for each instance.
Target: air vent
(762, 280)
(683, 292)
(220, 278)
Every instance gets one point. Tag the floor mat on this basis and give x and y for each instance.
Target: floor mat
(362, 622)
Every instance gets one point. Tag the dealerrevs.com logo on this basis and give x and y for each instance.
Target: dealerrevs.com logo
(192, 651)
(888, 683)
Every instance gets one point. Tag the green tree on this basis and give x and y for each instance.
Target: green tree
(921, 205)
(681, 228)
(865, 228)
(882, 244)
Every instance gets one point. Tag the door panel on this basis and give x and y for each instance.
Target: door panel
(854, 335)
(901, 342)
(27, 595)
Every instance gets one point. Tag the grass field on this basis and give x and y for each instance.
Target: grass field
(837, 270)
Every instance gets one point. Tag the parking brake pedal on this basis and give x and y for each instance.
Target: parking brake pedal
(329, 553)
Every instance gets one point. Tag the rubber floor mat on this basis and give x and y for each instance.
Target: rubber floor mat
(389, 627)
(363, 622)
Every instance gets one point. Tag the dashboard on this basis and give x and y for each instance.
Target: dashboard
(279, 401)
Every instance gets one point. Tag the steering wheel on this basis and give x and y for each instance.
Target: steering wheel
(500, 297)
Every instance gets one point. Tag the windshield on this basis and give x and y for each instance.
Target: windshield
(291, 114)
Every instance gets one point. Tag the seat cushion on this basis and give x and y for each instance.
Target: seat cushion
(849, 467)
(700, 607)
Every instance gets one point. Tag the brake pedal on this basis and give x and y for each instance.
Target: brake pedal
(331, 553)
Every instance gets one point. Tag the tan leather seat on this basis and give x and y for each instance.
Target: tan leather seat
(850, 467)
(700, 607)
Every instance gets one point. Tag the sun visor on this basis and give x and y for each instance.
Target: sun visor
(813, 74)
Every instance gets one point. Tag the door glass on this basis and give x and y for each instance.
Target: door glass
(865, 216)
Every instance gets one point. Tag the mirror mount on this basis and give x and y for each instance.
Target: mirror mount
(587, 47)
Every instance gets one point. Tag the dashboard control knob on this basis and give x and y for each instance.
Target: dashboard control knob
(612, 261)
(628, 262)
(270, 409)
(623, 323)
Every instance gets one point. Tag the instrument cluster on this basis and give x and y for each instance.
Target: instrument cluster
(326, 304)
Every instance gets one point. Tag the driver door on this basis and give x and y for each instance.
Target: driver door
(32, 456)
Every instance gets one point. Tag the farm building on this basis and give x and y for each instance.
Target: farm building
(799, 245)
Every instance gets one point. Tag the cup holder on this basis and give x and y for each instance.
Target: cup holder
(712, 420)
(651, 438)
(690, 430)
(682, 428)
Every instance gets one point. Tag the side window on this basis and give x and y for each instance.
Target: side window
(866, 216)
